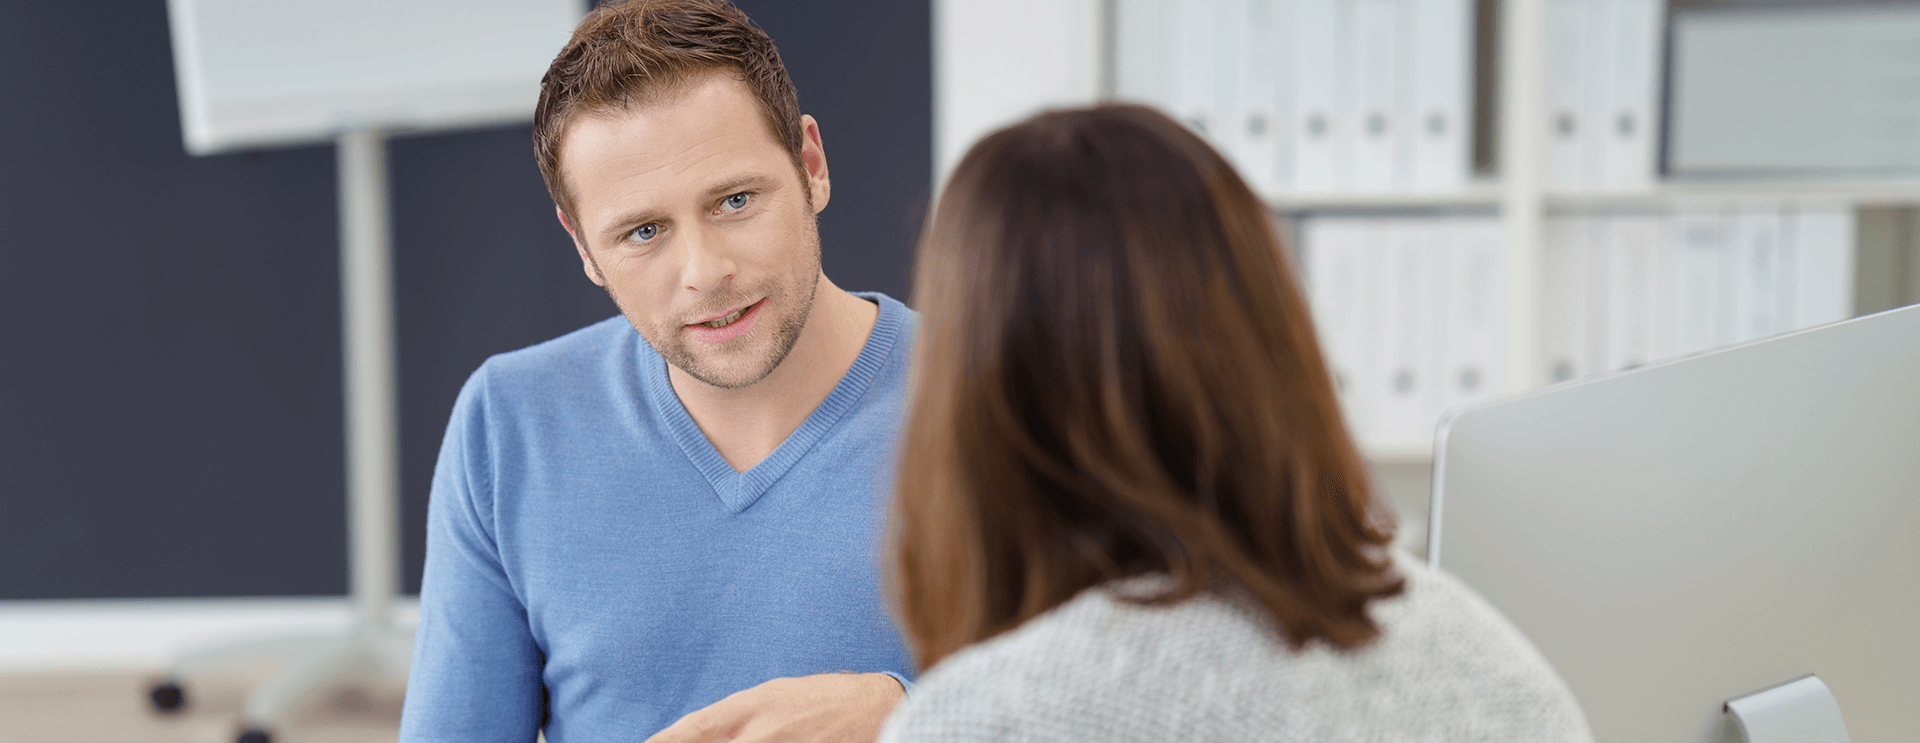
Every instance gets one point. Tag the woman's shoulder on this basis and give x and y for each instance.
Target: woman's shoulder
(1447, 666)
(1073, 672)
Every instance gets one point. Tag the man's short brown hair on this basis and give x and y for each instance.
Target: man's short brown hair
(638, 52)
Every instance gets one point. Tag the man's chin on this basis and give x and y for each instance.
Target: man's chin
(715, 368)
(726, 379)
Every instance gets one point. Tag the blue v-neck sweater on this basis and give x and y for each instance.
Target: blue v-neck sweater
(593, 561)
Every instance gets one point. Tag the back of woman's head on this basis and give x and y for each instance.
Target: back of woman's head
(1118, 376)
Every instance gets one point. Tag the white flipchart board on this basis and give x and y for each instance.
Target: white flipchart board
(1690, 532)
(256, 73)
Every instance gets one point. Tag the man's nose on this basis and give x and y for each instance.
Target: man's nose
(709, 263)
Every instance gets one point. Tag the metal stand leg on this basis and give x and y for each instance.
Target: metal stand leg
(366, 292)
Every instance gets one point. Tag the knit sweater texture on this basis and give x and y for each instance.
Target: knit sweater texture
(1447, 667)
(596, 568)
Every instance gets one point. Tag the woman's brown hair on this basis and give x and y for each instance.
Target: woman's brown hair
(1118, 376)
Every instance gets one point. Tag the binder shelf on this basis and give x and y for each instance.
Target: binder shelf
(1440, 275)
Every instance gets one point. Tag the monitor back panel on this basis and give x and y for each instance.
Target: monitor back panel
(1685, 533)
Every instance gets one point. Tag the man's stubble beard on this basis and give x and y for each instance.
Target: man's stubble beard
(674, 347)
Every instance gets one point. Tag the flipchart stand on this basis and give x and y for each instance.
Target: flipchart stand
(374, 643)
(278, 73)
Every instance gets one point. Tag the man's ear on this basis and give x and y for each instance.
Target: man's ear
(580, 246)
(814, 156)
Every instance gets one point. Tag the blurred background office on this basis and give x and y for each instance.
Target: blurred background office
(172, 442)
(1485, 197)
(173, 422)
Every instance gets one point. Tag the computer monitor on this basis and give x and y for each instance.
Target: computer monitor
(1678, 535)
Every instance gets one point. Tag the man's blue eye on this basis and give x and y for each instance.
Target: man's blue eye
(736, 201)
(646, 232)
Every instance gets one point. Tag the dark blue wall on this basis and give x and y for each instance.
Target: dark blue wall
(169, 326)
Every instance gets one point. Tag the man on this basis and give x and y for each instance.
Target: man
(674, 528)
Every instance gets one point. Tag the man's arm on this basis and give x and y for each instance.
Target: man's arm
(476, 669)
(837, 707)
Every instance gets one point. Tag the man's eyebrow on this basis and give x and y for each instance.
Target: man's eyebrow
(740, 183)
(629, 221)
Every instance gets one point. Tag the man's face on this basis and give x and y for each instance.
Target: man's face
(691, 216)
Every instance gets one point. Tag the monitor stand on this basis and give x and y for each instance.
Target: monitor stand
(1799, 711)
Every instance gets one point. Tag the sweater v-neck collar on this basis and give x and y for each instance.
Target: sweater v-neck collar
(739, 490)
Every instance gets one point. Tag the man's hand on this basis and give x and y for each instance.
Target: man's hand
(828, 708)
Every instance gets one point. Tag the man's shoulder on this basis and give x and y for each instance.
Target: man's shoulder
(572, 378)
(570, 354)
(908, 318)
(894, 332)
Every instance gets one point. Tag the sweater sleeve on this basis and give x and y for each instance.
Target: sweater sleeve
(989, 697)
(906, 686)
(476, 672)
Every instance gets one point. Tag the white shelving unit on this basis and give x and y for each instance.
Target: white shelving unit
(1523, 200)
(1857, 193)
(1476, 194)
(1520, 194)
(1490, 193)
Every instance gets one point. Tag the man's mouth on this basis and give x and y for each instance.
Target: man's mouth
(727, 319)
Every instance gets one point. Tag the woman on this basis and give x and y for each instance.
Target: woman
(1128, 508)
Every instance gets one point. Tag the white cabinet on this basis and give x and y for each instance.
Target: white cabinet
(1591, 261)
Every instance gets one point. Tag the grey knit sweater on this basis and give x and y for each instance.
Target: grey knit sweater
(1447, 667)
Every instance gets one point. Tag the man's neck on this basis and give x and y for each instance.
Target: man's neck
(747, 424)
